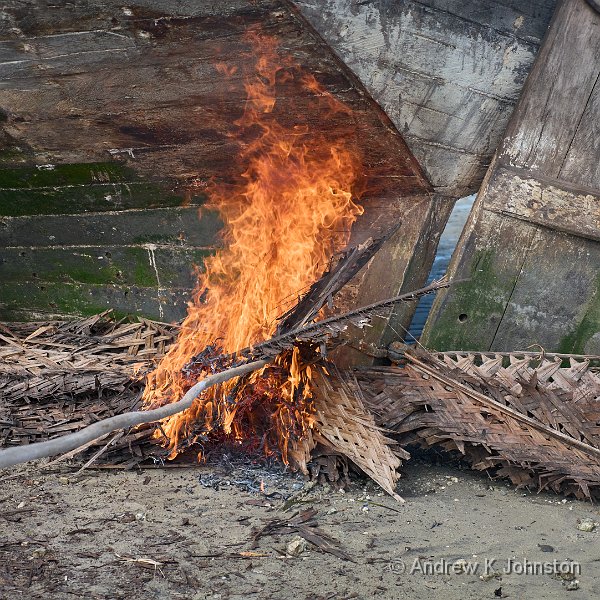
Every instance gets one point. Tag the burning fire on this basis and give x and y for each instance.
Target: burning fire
(290, 210)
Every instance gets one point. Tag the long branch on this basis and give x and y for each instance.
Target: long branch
(316, 330)
(21, 454)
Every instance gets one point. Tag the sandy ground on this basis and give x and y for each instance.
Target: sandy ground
(186, 533)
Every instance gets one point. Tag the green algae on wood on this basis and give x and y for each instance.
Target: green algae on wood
(71, 299)
(66, 174)
(179, 226)
(135, 265)
(88, 198)
(467, 316)
(84, 187)
(579, 340)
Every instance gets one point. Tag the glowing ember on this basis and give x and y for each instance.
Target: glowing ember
(290, 210)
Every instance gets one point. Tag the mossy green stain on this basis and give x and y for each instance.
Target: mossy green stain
(66, 299)
(482, 298)
(14, 154)
(575, 341)
(66, 174)
(58, 194)
(145, 274)
(103, 265)
(92, 198)
(103, 275)
(155, 238)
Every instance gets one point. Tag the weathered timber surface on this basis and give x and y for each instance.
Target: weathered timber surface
(412, 247)
(447, 72)
(553, 203)
(28, 301)
(114, 118)
(531, 250)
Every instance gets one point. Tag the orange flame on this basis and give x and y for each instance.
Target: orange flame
(290, 210)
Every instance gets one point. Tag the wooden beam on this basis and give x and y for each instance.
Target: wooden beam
(115, 118)
(552, 203)
(447, 72)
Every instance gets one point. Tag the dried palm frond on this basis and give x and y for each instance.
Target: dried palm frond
(323, 332)
(68, 359)
(540, 425)
(56, 378)
(345, 424)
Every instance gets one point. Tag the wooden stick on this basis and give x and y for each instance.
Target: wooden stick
(21, 454)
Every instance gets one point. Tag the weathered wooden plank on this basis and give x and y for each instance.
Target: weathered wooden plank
(551, 203)
(449, 167)
(176, 226)
(30, 18)
(447, 72)
(81, 187)
(144, 145)
(142, 266)
(89, 198)
(70, 299)
(185, 123)
(526, 21)
(407, 255)
(556, 302)
(138, 85)
(45, 176)
(582, 162)
(556, 95)
(486, 267)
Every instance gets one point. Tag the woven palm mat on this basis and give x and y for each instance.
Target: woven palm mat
(537, 421)
(56, 378)
(343, 422)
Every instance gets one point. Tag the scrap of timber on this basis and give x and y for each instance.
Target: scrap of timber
(332, 281)
(538, 424)
(332, 328)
